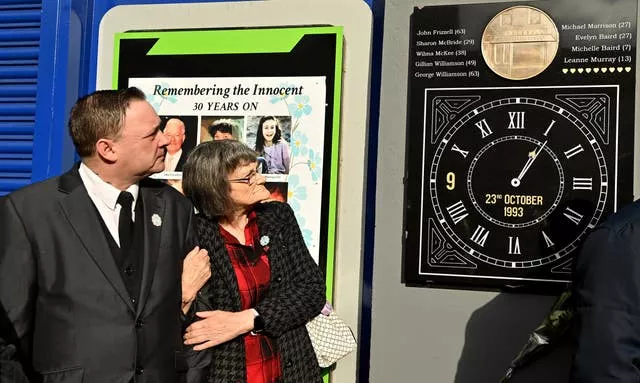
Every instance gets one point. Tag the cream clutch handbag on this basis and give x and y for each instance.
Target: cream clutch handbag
(331, 337)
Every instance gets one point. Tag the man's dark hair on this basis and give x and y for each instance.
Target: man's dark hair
(99, 115)
(222, 126)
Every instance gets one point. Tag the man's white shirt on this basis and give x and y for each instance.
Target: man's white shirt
(171, 161)
(104, 197)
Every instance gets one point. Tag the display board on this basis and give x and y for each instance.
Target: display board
(519, 139)
(275, 89)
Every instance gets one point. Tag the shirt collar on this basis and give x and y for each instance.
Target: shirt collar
(103, 191)
(175, 155)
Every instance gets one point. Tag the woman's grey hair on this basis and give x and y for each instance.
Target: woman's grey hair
(206, 171)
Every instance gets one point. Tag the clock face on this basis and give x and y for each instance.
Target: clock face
(517, 182)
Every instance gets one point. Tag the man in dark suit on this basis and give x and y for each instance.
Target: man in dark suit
(607, 289)
(91, 261)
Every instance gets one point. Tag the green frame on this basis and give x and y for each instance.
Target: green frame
(257, 40)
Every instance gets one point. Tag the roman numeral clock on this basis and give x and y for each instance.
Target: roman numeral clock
(503, 183)
(513, 183)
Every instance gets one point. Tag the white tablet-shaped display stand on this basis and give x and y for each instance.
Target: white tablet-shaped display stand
(342, 189)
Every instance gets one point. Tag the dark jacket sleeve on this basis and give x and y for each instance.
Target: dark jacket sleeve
(192, 237)
(11, 370)
(191, 241)
(607, 292)
(17, 273)
(198, 362)
(301, 296)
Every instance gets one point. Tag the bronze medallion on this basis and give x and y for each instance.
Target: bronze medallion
(520, 42)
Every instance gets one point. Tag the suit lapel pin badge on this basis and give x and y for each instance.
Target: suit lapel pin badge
(156, 220)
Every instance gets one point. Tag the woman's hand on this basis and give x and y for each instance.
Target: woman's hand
(218, 327)
(196, 270)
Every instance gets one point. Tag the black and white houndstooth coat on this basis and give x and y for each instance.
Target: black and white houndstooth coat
(296, 295)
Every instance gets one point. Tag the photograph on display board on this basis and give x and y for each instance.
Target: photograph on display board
(278, 190)
(520, 135)
(270, 137)
(221, 128)
(289, 116)
(182, 133)
(263, 113)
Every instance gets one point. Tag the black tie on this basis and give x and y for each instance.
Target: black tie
(125, 223)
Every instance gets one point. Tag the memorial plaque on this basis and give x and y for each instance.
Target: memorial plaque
(519, 138)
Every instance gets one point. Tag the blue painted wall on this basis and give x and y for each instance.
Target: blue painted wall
(67, 70)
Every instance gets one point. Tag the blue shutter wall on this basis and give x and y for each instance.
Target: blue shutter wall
(19, 48)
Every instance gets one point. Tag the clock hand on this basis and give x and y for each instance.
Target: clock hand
(526, 165)
(515, 182)
(532, 157)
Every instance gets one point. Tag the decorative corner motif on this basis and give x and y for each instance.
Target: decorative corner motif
(446, 109)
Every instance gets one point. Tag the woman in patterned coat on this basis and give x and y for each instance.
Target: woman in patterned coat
(264, 285)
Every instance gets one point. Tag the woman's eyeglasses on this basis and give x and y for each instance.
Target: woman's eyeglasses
(249, 180)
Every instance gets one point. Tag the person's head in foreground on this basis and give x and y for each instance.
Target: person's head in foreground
(220, 178)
